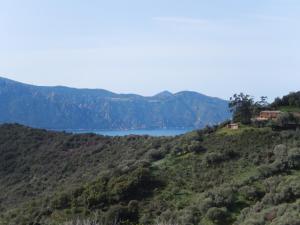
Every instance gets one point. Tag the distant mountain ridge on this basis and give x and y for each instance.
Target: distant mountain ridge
(70, 108)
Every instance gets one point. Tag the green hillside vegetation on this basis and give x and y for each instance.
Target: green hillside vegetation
(288, 103)
(291, 100)
(214, 176)
(289, 109)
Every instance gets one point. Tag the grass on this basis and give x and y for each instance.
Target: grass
(242, 128)
(243, 177)
(289, 109)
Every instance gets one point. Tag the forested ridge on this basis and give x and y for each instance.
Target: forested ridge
(63, 108)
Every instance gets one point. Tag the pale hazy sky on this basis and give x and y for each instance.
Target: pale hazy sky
(216, 47)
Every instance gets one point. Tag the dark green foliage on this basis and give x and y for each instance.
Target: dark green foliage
(214, 158)
(203, 177)
(242, 107)
(156, 154)
(287, 121)
(95, 195)
(196, 146)
(292, 99)
(217, 215)
(251, 193)
(135, 185)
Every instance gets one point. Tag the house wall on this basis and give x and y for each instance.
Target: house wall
(269, 115)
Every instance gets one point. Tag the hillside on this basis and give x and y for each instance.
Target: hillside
(215, 176)
(70, 108)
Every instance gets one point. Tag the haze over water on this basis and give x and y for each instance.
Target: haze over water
(155, 133)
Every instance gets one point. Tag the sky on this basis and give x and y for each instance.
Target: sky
(214, 47)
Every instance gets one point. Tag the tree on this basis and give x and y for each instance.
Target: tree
(292, 99)
(260, 105)
(241, 105)
(263, 103)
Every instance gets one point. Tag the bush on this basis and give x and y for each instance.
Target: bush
(217, 215)
(121, 215)
(131, 186)
(62, 201)
(285, 120)
(222, 197)
(251, 193)
(280, 152)
(95, 194)
(155, 154)
(205, 205)
(83, 222)
(196, 147)
(294, 158)
(213, 158)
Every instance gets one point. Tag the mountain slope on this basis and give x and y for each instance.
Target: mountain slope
(211, 177)
(70, 108)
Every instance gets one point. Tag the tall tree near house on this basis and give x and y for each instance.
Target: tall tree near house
(263, 102)
(241, 105)
(261, 105)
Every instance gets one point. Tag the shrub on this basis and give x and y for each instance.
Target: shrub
(205, 205)
(196, 147)
(217, 215)
(294, 158)
(84, 222)
(62, 201)
(213, 158)
(280, 152)
(222, 197)
(155, 154)
(121, 215)
(95, 194)
(131, 186)
(251, 193)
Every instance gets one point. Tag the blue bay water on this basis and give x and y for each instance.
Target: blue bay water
(155, 133)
